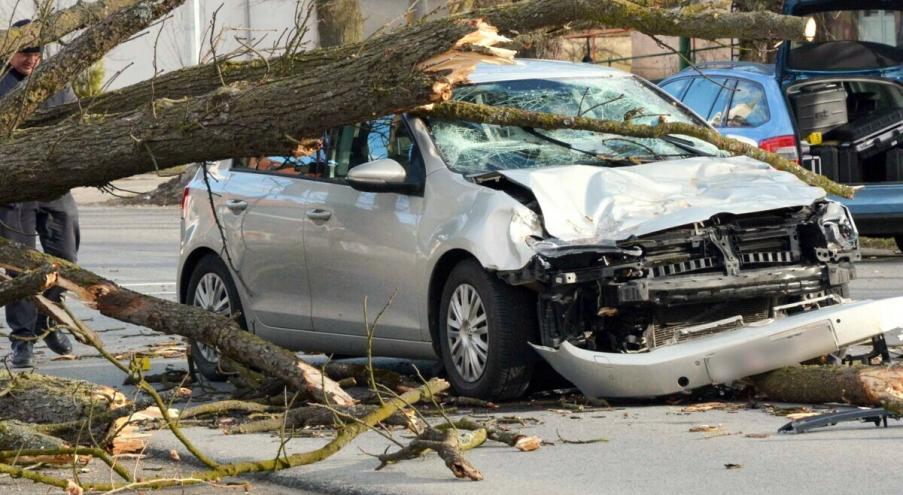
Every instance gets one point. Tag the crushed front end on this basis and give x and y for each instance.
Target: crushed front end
(701, 304)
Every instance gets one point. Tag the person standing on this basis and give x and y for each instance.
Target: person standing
(54, 222)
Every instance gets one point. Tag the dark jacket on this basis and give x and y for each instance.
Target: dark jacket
(12, 78)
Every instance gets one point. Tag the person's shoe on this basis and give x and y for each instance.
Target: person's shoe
(58, 342)
(22, 355)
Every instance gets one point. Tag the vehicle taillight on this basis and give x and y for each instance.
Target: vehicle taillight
(184, 200)
(782, 145)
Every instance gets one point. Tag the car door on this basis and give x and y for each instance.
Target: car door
(268, 202)
(363, 245)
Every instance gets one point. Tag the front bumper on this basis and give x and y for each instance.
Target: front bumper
(728, 356)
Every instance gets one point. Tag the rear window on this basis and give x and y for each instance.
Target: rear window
(749, 107)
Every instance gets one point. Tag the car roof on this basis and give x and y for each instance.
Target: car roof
(749, 70)
(539, 69)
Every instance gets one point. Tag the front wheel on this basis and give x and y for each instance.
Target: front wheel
(484, 327)
(211, 288)
(899, 240)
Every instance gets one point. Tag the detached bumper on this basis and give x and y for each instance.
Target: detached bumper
(722, 358)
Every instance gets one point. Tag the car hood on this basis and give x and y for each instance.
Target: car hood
(593, 205)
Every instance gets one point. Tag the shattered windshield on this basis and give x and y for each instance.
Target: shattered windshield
(473, 148)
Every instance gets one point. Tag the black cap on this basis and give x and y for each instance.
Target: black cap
(26, 49)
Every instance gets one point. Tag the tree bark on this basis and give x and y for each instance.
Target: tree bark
(58, 24)
(53, 75)
(521, 118)
(339, 22)
(385, 77)
(15, 435)
(26, 284)
(35, 398)
(873, 386)
(522, 17)
(188, 321)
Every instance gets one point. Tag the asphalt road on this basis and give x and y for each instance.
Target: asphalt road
(649, 448)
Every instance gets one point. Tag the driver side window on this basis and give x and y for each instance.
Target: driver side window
(385, 137)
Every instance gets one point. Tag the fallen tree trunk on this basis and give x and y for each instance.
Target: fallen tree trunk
(188, 321)
(517, 18)
(26, 284)
(522, 118)
(52, 76)
(873, 386)
(58, 24)
(384, 77)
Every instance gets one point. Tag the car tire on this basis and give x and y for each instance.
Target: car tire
(487, 355)
(899, 240)
(211, 287)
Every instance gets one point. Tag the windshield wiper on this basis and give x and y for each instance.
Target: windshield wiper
(684, 144)
(564, 144)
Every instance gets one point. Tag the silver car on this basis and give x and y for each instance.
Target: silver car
(635, 267)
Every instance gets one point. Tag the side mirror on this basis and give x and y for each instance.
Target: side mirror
(384, 175)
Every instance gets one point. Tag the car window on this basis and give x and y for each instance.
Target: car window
(702, 93)
(342, 149)
(385, 137)
(719, 109)
(676, 87)
(353, 145)
(307, 159)
(749, 108)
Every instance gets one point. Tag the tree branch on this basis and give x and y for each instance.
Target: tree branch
(178, 319)
(26, 284)
(521, 17)
(53, 75)
(521, 118)
(57, 25)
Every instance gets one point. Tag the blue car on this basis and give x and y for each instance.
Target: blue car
(835, 103)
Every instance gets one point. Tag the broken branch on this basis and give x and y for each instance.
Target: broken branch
(26, 284)
(515, 117)
(177, 319)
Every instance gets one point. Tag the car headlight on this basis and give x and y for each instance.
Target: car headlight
(839, 228)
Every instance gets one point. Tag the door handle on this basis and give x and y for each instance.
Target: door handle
(318, 214)
(236, 205)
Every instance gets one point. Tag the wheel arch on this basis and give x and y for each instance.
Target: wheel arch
(441, 270)
(188, 268)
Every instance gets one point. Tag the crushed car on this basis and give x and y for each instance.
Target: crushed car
(635, 267)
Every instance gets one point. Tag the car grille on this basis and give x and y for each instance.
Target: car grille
(673, 325)
(754, 247)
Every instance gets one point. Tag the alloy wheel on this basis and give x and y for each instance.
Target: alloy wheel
(468, 332)
(211, 295)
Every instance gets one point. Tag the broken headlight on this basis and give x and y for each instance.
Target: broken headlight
(838, 227)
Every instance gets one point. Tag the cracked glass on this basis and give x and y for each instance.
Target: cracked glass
(473, 148)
